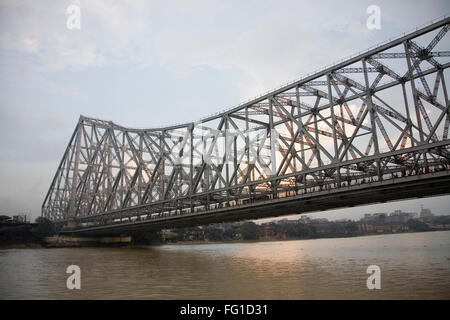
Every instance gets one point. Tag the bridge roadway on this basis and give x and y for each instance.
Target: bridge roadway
(395, 188)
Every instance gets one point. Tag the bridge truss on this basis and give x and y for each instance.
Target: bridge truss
(381, 115)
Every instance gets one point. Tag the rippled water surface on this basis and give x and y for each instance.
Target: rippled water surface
(413, 266)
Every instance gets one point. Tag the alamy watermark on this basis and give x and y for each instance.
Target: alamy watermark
(374, 20)
(374, 280)
(74, 280)
(73, 21)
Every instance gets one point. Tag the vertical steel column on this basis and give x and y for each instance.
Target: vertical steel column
(73, 194)
(413, 88)
(408, 116)
(272, 148)
(372, 115)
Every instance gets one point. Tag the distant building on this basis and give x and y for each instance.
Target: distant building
(365, 228)
(304, 219)
(381, 227)
(398, 216)
(425, 213)
(374, 217)
(383, 223)
(19, 219)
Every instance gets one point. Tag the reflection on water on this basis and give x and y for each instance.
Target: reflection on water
(413, 266)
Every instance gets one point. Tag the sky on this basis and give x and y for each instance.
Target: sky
(150, 64)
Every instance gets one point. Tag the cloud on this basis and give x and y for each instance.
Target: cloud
(110, 32)
(262, 44)
(25, 45)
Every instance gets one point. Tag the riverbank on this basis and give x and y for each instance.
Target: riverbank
(201, 242)
(19, 236)
(21, 246)
(126, 242)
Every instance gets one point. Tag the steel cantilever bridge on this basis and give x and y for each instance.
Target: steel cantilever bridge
(373, 128)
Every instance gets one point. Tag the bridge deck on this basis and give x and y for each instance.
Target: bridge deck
(423, 185)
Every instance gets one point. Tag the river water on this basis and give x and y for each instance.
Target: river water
(413, 266)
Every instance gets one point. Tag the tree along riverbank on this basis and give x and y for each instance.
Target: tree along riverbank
(25, 235)
(42, 234)
(205, 242)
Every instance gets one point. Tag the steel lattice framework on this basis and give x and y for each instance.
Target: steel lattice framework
(381, 115)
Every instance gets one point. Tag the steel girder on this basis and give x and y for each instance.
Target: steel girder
(382, 113)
